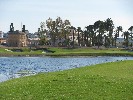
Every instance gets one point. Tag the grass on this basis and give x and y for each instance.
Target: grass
(25, 51)
(110, 81)
(68, 52)
(90, 52)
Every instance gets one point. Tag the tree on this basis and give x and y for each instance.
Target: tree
(118, 30)
(73, 30)
(109, 25)
(106, 41)
(82, 38)
(65, 30)
(126, 38)
(79, 30)
(42, 33)
(85, 38)
(115, 37)
(131, 32)
(51, 29)
(91, 34)
(58, 30)
(99, 27)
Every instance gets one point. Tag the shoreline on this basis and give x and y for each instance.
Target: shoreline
(68, 54)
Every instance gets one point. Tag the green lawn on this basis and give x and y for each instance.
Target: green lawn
(69, 52)
(90, 52)
(26, 51)
(110, 81)
(87, 50)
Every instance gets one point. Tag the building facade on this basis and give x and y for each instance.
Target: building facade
(16, 38)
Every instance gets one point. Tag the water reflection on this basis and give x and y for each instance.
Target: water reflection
(14, 67)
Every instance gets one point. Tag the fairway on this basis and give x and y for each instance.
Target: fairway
(109, 81)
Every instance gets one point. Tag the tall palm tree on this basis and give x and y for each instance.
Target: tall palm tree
(131, 32)
(85, 38)
(73, 29)
(79, 30)
(54, 31)
(109, 28)
(118, 30)
(91, 33)
(99, 27)
(126, 38)
(115, 37)
(82, 38)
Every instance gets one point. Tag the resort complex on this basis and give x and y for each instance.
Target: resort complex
(60, 33)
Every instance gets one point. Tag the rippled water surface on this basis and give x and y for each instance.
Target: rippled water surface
(14, 67)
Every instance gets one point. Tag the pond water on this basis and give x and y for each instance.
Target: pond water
(14, 67)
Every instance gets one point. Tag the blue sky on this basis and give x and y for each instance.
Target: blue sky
(79, 12)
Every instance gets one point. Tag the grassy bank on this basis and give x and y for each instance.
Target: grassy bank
(20, 52)
(110, 81)
(67, 52)
(90, 52)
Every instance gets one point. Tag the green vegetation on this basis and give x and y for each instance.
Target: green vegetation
(19, 52)
(110, 81)
(89, 52)
(66, 52)
(101, 33)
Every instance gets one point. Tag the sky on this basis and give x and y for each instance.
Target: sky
(80, 13)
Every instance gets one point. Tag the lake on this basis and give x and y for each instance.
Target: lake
(15, 67)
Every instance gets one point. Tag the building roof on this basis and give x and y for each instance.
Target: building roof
(16, 32)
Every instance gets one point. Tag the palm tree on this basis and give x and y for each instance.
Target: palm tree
(73, 29)
(131, 32)
(99, 27)
(126, 38)
(79, 30)
(109, 28)
(54, 32)
(115, 37)
(82, 38)
(118, 30)
(85, 38)
(105, 41)
(91, 33)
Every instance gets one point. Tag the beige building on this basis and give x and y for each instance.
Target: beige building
(17, 39)
(2, 40)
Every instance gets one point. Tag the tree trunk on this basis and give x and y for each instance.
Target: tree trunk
(78, 40)
(98, 40)
(73, 39)
(82, 38)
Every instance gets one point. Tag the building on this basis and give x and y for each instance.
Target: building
(72, 31)
(119, 42)
(2, 40)
(33, 42)
(16, 38)
(1, 34)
